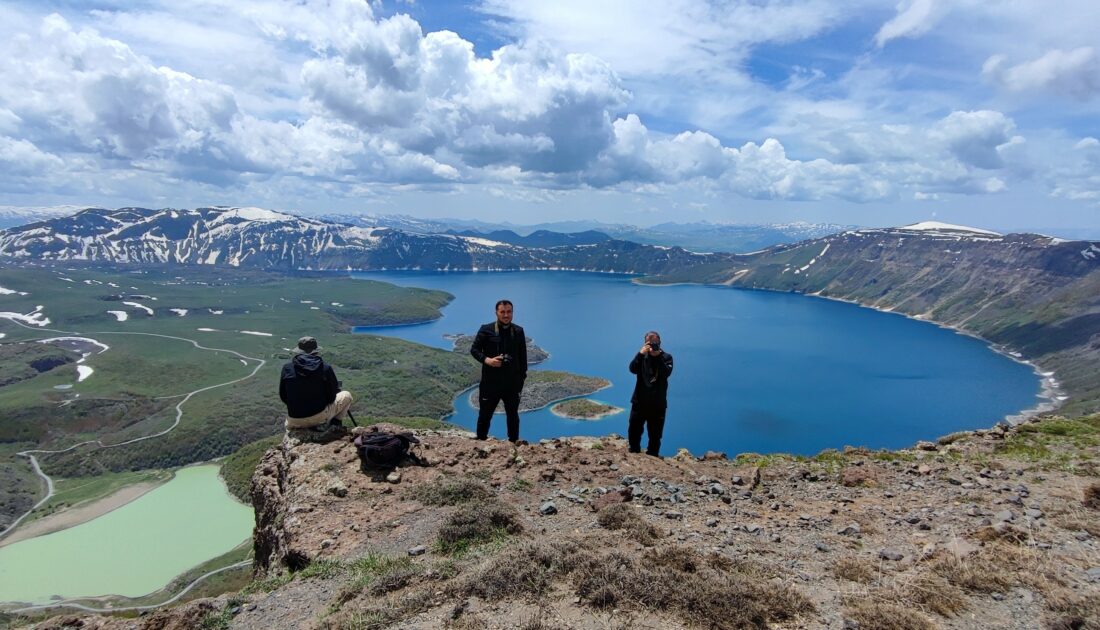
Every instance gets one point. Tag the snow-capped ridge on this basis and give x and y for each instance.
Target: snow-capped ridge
(937, 226)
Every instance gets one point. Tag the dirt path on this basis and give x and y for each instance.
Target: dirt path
(74, 516)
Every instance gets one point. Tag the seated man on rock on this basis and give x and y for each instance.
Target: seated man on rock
(310, 390)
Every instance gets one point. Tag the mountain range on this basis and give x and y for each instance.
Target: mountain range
(703, 236)
(259, 238)
(1037, 295)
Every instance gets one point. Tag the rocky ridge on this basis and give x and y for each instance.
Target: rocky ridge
(985, 529)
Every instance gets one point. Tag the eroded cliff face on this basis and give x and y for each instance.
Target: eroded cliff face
(985, 529)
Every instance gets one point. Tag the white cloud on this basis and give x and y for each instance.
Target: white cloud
(1074, 73)
(325, 98)
(914, 18)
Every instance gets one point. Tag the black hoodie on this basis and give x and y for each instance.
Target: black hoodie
(307, 385)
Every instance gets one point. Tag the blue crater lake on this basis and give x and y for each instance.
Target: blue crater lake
(755, 371)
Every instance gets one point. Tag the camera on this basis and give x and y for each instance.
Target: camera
(655, 346)
(505, 359)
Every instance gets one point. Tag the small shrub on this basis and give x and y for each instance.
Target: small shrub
(519, 484)
(1092, 496)
(452, 491)
(477, 523)
(621, 516)
(853, 569)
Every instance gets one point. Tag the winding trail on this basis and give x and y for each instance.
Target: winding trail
(30, 454)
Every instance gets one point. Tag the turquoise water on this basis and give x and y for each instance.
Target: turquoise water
(755, 371)
(131, 551)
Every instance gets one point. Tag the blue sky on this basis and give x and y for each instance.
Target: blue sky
(870, 112)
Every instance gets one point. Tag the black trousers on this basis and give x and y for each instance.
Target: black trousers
(487, 403)
(650, 418)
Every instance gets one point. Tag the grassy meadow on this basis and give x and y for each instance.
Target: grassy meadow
(154, 361)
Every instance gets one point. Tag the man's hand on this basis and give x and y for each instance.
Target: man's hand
(645, 349)
(496, 361)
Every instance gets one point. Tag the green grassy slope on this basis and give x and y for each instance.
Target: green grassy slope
(138, 382)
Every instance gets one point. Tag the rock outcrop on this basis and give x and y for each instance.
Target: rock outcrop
(983, 529)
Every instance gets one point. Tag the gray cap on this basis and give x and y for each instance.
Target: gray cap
(308, 345)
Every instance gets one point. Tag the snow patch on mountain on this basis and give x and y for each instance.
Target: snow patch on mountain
(936, 226)
(34, 318)
(141, 306)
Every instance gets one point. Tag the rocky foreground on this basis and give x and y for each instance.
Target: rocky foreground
(990, 529)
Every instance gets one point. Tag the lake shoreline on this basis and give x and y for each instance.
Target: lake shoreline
(79, 514)
(1050, 395)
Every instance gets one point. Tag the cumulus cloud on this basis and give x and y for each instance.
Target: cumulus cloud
(379, 102)
(1074, 73)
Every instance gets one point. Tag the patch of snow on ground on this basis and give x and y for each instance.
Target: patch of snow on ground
(2, 335)
(103, 347)
(206, 329)
(307, 301)
(141, 306)
(83, 372)
(253, 332)
(482, 241)
(337, 304)
(120, 315)
(215, 312)
(34, 318)
(179, 311)
(243, 362)
(935, 226)
(4, 291)
(315, 308)
(813, 260)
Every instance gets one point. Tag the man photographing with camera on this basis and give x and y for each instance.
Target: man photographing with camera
(501, 349)
(652, 366)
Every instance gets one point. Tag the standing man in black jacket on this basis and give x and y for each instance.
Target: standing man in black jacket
(652, 366)
(310, 390)
(501, 349)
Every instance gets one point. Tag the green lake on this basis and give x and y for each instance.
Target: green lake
(131, 551)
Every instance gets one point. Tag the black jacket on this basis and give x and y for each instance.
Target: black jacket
(492, 340)
(307, 385)
(651, 386)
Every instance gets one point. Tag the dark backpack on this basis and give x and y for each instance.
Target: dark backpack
(384, 450)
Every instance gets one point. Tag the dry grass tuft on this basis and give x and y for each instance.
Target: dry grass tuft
(1092, 497)
(528, 570)
(700, 595)
(934, 593)
(476, 523)
(882, 616)
(981, 573)
(383, 613)
(452, 491)
(621, 516)
(1008, 534)
(855, 569)
(1073, 611)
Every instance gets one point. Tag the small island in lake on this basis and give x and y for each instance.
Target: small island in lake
(462, 344)
(545, 387)
(584, 409)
